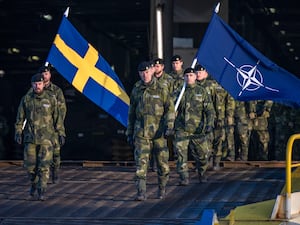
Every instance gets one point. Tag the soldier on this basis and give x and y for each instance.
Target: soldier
(151, 118)
(55, 91)
(194, 121)
(177, 72)
(259, 115)
(166, 81)
(37, 124)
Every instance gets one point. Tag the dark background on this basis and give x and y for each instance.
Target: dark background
(121, 32)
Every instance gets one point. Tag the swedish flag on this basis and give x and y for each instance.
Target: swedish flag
(79, 63)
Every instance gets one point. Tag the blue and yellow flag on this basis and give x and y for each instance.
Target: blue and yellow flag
(80, 64)
(242, 70)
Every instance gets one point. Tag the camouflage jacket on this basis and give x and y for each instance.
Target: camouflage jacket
(195, 111)
(166, 81)
(43, 122)
(151, 111)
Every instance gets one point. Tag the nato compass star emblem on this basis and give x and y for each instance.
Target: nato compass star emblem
(249, 77)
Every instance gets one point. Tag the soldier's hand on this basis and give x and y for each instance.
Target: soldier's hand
(169, 133)
(266, 114)
(130, 140)
(61, 140)
(252, 115)
(230, 121)
(18, 138)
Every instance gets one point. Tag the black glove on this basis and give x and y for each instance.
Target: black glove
(62, 140)
(208, 129)
(169, 133)
(18, 138)
(130, 140)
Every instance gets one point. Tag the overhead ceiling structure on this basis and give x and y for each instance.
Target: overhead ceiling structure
(28, 27)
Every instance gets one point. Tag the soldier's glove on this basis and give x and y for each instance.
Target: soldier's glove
(130, 140)
(169, 133)
(208, 129)
(62, 140)
(18, 138)
(252, 115)
(230, 121)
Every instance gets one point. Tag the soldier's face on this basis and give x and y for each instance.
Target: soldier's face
(202, 74)
(38, 87)
(146, 75)
(190, 78)
(177, 65)
(47, 76)
(158, 69)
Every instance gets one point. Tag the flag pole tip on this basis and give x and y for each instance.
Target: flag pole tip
(66, 14)
(217, 7)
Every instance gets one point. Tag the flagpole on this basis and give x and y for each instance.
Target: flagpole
(183, 87)
(66, 14)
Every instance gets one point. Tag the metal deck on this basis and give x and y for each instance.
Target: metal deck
(103, 193)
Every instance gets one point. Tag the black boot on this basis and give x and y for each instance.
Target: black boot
(32, 190)
(41, 194)
(54, 175)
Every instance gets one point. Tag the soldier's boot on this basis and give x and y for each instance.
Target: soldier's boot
(41, 194)
(184, 180)
(161, 192)
(54, 175)
(141, 187)
(216, 164)
(202, 178)
(141, 196)
(32, 190)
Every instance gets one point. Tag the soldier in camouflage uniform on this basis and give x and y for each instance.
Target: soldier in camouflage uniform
(151, 118)
(259, 113)
(166, 81)
(55, 91)
(242, 128)
(37, 124)
(223, 105)
(194, 121)
(177, 72)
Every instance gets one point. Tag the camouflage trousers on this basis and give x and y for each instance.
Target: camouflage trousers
(200, 150)
(228, 147)
(160, 153)
(37, 160)
(218, 143)
(56, 155)
(259, 144)
(242, 140)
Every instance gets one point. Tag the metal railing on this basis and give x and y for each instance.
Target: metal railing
(288, 173)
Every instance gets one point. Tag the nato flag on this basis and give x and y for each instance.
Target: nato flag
(242, 70)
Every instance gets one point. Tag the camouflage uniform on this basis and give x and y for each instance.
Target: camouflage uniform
(56, 92)
(40, 131)
(242, 128)
(195, 115)
(178, 80)
(151, 112)
(259, 113)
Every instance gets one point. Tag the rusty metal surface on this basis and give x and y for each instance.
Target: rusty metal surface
(105, 195)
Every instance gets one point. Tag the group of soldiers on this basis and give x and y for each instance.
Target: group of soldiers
(186, 113)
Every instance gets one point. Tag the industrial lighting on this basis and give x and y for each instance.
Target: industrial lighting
(291, 49)
(13, 51)
(288, 44)
(47, 17)
(33, 58)
(282, 32)
(272, 10)
(276, 23)
(296, 58)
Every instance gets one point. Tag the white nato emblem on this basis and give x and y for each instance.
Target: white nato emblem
(249, 77)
